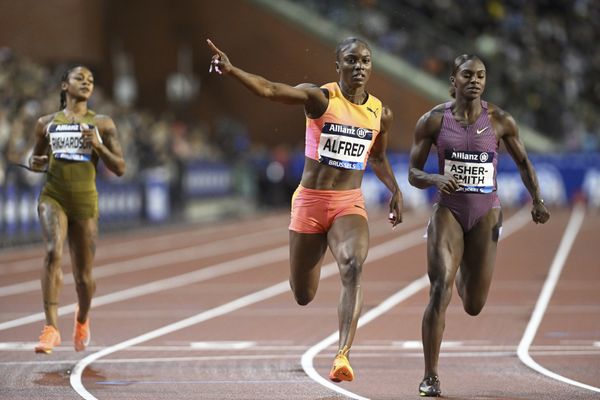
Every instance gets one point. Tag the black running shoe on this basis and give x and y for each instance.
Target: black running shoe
(430, 387)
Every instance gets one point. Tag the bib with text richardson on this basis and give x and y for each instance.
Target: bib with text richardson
(66, 142)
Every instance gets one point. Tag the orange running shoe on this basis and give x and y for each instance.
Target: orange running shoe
(341, 370)
(49, 338)
(81, 334)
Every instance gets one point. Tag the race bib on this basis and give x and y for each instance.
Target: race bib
(344, 146)
(66, 142)
(474, 170)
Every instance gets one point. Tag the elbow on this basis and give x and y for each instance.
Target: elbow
(414, 180)
(120, 170)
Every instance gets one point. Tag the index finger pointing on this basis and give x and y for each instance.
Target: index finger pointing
(213, 47)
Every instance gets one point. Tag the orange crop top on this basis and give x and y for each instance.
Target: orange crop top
(343, 136)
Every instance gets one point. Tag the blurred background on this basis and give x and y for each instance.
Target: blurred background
(201, 147)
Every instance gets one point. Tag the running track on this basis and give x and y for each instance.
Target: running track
(204, 312)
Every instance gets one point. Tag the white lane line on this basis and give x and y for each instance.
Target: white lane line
(222, 345)
(127, 244)
(383, 250)
(264, 356)
(194, 252)
(358, 350)
(190, 253)
(213, 271)
(516, 222)
(571, 231)
(386, 305)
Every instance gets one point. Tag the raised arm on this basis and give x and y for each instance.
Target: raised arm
(110, 149)
(381, 167)
(309, 95)
(426, 130)
(507, 130)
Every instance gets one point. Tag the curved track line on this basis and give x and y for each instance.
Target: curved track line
(558, 263)
(389, 303)
(513, 224)
(383, 250)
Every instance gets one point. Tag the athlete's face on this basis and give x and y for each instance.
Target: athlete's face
(354, 65)
(80, 83)
(469, 80)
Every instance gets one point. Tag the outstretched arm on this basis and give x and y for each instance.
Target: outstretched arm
(427, 127)
(381, 166)
(309, 95)
(509, 132)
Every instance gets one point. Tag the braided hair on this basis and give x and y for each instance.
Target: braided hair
(65, 78)
(458, 61)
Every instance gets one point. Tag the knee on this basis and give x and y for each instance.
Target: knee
(53, 258)
(473, 307)
(350, 271)
(440, 292)
(303, 296)
(85, 281)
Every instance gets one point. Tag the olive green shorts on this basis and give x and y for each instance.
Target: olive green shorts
(76, 205)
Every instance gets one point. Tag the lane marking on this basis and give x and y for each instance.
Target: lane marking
(566, 243)
(398, 347)
(222, 345)
(126, 246)
(387, 304)
(383, 250)
(199, 275)
(211, 272)
(199, 382)
(189, 253)
(516, 222)
(243, 357)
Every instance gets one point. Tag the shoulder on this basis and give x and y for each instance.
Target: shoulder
(387, 116)
(103, 121)
(314, 88)
(501, 118)
(46, 119)
(43, 122)
(386, 113)
(432, 119)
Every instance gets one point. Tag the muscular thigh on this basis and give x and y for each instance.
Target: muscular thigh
(83, 235)
(53, 221)
(306, 251)
(444, 244)
(349, 238)
(480, 249)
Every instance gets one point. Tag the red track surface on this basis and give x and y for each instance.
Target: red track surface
(260, 343)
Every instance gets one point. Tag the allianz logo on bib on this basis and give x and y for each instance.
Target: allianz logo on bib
(347, 130)
(469, 156)
(66, 127)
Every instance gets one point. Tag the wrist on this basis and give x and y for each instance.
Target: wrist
(537, 201)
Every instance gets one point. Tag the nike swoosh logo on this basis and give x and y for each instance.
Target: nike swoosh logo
(480, 131)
